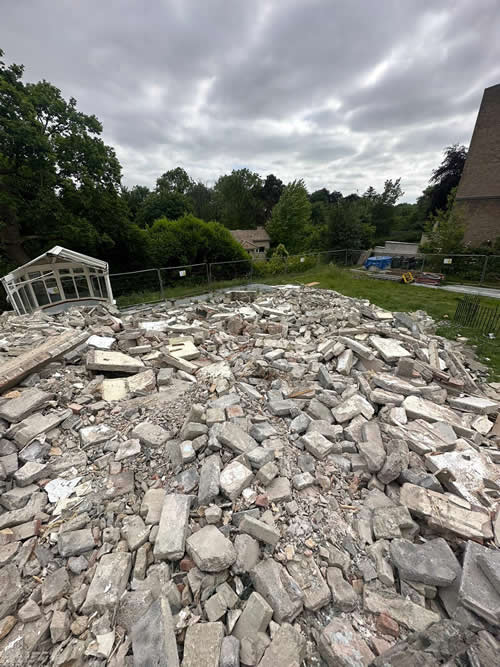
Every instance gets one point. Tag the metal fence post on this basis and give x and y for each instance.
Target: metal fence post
(483, 274)
(208, 273)
(345, 263)
(161, 284)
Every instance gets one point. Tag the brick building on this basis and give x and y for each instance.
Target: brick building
(478, 194)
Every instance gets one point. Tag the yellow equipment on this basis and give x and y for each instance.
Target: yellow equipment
(408, 277)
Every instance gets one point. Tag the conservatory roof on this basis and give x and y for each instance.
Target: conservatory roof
(57, 255)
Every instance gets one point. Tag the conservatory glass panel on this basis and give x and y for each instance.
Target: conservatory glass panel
(82, 286)
(53, 290)
(41, 293)
(69, 287)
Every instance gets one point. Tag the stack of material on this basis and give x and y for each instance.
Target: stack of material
(292, 479)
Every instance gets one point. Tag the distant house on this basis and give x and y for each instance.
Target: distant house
(255, 241)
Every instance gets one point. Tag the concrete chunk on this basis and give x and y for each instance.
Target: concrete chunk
(235, 439)
(208, 486)
(442, 513)
(432, 563)
(75, 542)
(279, 589)
(317, 445)
(210, 550)
(260, 530)
(343, 594)
(476, 591)
(171, 538)
(202, 645)
(150, 434)
(30, 472)
(287, 648)
(309, 579)
(254, 618)
(476, 404)
(109, 582)
(115, 362)
(234, 478)
(404, 611)
(16, 409)
(153, 637)
(390, 350)
(340, 646)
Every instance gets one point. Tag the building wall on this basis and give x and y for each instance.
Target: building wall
(478, 193)
(482, 217)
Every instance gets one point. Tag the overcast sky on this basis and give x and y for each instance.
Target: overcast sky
(341, 93)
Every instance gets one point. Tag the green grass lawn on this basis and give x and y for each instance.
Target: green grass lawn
(440, 304)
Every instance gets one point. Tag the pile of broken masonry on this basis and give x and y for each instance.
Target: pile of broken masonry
(292, 478)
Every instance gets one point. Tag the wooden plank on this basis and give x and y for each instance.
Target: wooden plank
(16, 369)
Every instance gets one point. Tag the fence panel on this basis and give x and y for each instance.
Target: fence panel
(184, 280)
(472, 313)
(238, 272)
(136, 287)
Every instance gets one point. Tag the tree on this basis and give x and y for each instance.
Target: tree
(54, 170)
(175, 180)
(291, 217)
(445, 230)
(237, 199)
(203, 201)
(446, 177)
(189, 240)
(134, 197)
(346, 228)
(163, 204)
(270, 194)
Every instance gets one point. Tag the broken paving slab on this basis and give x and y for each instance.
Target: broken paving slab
(16, 409)
(420, 408)
(235, 439)
(489, 562)
(476, 591)
(113, 362)
(402, 610)
(108, 583)
(442, 513)
(150, 434)
(36, 424)
(389, 349)
(432, 563)
(153, 637)
(307, 575)
(202, 645)
(172, 531)
(476, 404)
(287, 648)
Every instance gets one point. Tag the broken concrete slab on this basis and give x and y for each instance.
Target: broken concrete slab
(404, 611)
(15, 410)
(476, 592)
(254, 618)
(108, 583)
(489, 562)
(442, 513)
(153, 637)
(172, 531)
(279, 589)
(202, 645)
(431, 563)
(287, 648)
(113, 362)
(389, 349)
(234, 478)
(150, 434)
(476, 404)
(235, 439)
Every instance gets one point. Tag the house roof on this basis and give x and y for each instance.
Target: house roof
(250, 237)
(57, 255)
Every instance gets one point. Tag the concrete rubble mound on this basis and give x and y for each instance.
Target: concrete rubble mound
(278, 479)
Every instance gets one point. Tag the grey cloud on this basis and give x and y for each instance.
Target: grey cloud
(341, 94)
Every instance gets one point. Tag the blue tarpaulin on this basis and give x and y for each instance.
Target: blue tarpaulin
(383, 262)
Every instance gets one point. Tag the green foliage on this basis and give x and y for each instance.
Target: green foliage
(291, 217)
(237, 199)
(279, 264)
(162, 204)
(174, 180)
(270, 194)
(203, 201)
(189, 240)
(445, 230)
(59, 182)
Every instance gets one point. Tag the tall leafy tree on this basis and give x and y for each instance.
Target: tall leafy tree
(54, 169)
(237, 199)
(174, 180)
(270, 194)
(291, 217)
(203, 201)
(446, 176)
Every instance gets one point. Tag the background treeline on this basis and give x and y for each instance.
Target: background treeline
(61, 184)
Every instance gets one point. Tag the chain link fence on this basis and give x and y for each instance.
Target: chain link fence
(151, 285)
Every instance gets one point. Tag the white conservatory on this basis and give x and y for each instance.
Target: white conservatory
(56, 280)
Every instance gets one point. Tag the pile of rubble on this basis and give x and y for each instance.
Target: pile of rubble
(296, 478)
